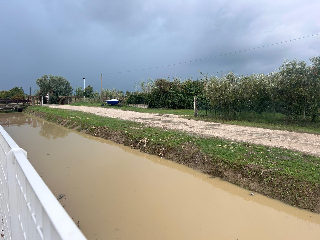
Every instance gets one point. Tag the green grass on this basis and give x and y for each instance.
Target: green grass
(280, 161)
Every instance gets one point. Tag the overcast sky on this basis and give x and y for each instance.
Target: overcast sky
(82, 38)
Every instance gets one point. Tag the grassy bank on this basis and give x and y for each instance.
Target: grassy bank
(264, 120)
(288, 176)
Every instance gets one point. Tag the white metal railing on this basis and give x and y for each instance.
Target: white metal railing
(28, 209)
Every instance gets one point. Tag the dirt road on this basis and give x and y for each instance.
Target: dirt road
(303, 142)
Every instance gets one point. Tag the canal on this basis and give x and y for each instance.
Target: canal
(114, 192)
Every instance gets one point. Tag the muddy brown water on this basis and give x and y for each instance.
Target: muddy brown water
(114, 192)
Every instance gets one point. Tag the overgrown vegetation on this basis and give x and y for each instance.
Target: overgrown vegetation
(287, 99)
(87, 92)
(14, 93)
(163, 93)
(113, 94)
(289, 176)
(293, 91)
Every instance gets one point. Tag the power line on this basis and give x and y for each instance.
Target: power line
(215, 56)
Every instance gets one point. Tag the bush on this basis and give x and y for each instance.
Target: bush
(163, 93)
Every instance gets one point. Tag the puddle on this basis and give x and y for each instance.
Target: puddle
(114, 192)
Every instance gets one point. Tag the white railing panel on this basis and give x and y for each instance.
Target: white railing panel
(28, 208)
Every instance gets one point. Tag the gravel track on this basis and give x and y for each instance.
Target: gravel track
(303, 142)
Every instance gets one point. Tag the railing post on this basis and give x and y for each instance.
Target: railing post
(12, 188)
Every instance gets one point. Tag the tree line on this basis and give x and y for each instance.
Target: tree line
(292, 90)
(56, 86)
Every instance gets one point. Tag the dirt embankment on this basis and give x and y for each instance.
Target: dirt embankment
(287, 189)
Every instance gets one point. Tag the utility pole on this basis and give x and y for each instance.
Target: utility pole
(101, 89)
(30, 96)
(84, 87)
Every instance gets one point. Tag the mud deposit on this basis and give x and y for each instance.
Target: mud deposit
(114, 192)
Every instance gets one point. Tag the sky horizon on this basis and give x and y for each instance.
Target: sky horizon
(132, 40)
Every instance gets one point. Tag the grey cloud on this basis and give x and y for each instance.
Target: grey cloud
(85, 38)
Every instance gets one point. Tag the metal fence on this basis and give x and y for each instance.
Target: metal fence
(29, 210)
(204, 107)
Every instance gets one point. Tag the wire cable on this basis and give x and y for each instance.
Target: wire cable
(215, 56)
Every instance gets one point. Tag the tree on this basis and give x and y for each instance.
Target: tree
(313, 97)
(17, 93)
(293, 88)
(79, 92)
(55, 86)
(88, 92)
(14, 93)
(112, 93)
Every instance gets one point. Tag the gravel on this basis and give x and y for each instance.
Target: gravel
(303, 142)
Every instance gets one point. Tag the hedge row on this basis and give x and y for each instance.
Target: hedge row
(163, 93)
(293, 91)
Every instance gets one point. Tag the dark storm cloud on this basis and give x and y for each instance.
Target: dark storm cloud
(77, 39)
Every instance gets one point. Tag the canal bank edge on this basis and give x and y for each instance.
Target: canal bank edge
(284, 187)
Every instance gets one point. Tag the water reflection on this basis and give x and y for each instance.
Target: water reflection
(46, 129)
(17, 119)
(49, 132)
